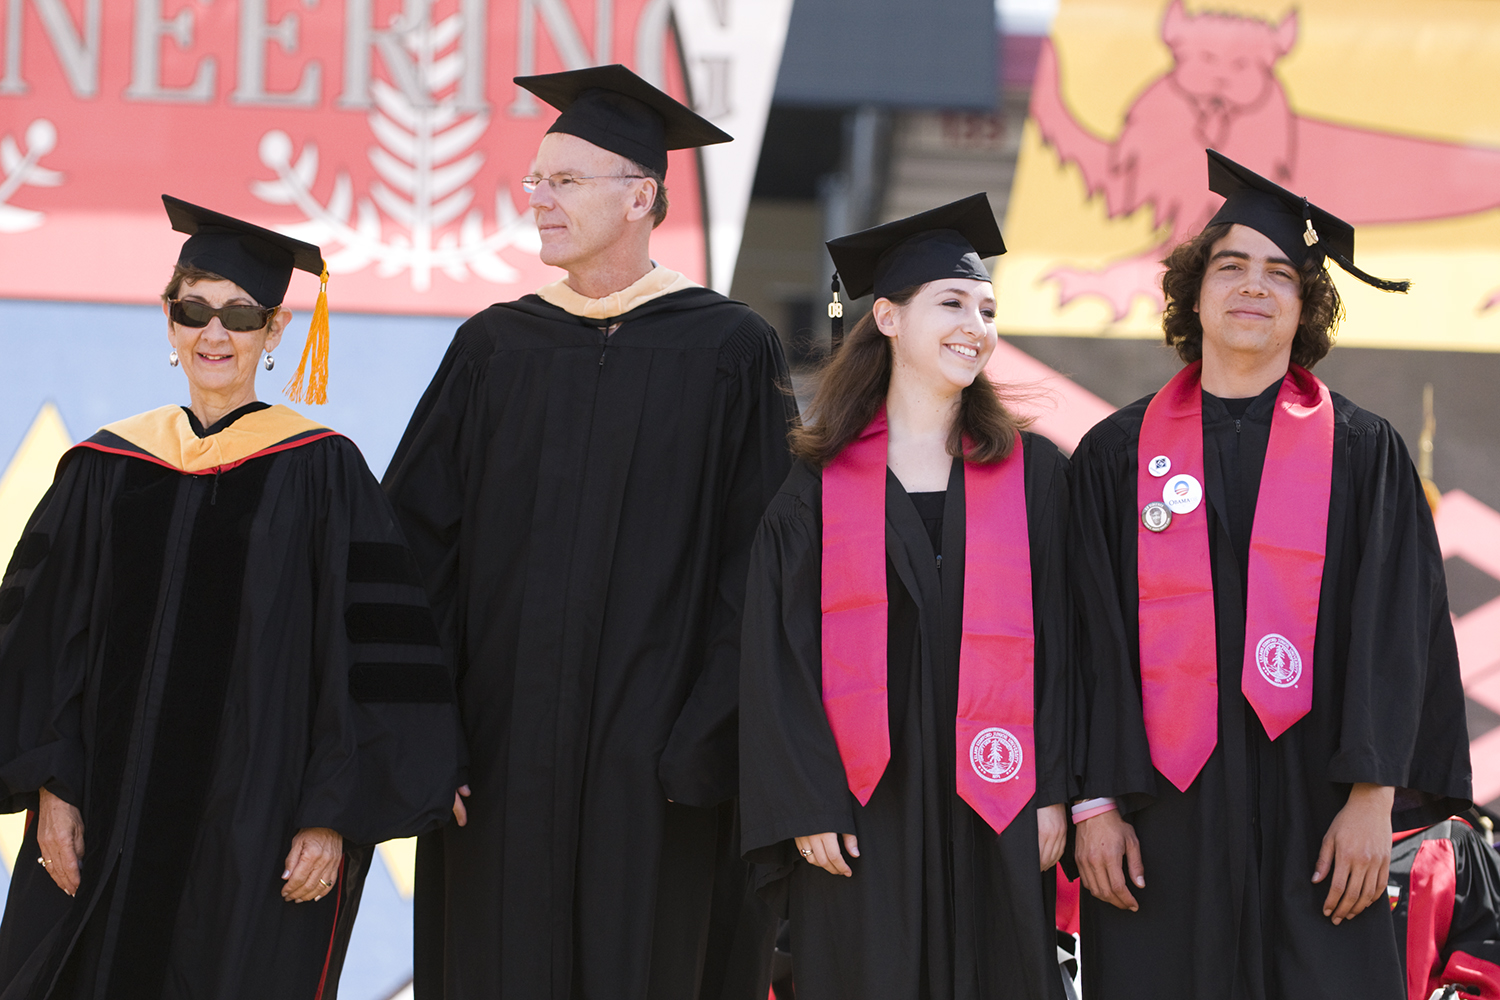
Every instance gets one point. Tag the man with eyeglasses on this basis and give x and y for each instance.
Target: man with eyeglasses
(580, 485)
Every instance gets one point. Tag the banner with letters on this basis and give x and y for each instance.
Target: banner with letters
(386, 131)
(1381, 111)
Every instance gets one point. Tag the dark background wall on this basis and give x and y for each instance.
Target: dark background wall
(849, 52)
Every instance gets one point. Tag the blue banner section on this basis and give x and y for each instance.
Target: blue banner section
(379, 962)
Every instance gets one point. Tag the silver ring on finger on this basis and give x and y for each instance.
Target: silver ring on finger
(806, 852)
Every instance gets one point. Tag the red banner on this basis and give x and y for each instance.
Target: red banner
(387, 132)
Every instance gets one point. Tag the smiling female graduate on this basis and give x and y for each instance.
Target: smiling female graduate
(1266, 651)
(902, 705)
(220, 683)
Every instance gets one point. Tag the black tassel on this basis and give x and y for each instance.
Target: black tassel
(836, 316)
(1370, 279)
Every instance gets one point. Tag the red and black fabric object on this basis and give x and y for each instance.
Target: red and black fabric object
(1445, 902)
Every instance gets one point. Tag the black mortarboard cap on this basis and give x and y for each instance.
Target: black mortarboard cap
(946, 242)
(616, 110)
(1301, 229)
(258, 260)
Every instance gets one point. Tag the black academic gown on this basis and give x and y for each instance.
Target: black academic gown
(582, 506)
(1229, 909)
(1445, 901)
(205, 664)
(939, 905)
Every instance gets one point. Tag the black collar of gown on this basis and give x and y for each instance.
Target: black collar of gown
(223, 421)
(1255, 408)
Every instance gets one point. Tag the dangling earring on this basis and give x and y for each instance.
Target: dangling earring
(172, 358)
(270, 361)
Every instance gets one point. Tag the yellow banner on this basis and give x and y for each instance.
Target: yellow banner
(1384, 112)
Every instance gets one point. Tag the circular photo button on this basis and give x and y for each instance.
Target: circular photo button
(1156, 516)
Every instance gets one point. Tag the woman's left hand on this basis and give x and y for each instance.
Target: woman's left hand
(1051, 834)
(312, 866)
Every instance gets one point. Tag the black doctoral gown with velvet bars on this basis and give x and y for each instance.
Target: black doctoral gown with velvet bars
(207, 644)
(1229, 909)
(939, 907)
(583, 505)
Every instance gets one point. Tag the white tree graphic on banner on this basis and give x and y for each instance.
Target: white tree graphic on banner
(424, 162)
(18, 169)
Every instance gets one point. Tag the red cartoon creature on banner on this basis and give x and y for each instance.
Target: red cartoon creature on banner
(1223, 92)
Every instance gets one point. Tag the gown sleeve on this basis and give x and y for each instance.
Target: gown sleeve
(1403, 711)
(385, 749)
(429, 475)
(46, 598)
(1047, 513)
(699, 765)
(1111, 756)
(792, 780)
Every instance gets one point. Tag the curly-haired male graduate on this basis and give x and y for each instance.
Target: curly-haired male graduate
(1266, 650)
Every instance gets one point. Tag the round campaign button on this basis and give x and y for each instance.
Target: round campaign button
(1182, 493)
(1156, 516)
(1159, 466)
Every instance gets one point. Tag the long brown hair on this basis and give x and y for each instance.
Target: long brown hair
(852, 387)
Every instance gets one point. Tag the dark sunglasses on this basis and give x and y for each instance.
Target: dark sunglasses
(239, 319)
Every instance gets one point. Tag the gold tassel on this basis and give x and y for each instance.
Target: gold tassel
(315, 349)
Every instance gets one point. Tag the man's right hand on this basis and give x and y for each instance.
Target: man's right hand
(59, 835)
(822, 849)
(1102, 842)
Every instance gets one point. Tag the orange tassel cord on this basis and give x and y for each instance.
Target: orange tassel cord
(315, 351)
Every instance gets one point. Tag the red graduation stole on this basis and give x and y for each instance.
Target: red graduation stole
(993, 728)
(1179, 670)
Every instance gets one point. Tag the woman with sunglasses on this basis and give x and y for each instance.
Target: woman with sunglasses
(903, 723)
(220, 683)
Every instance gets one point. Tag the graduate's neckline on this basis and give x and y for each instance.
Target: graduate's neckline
(255, 406)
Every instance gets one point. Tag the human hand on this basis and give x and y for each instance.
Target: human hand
(1357, 848)
(1051, 833)
(460, 811)
(312, 865)
(59, 835)
(1102, 841)
(822, 849)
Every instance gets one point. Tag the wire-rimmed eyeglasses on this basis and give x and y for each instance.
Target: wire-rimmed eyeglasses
(563, 182)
